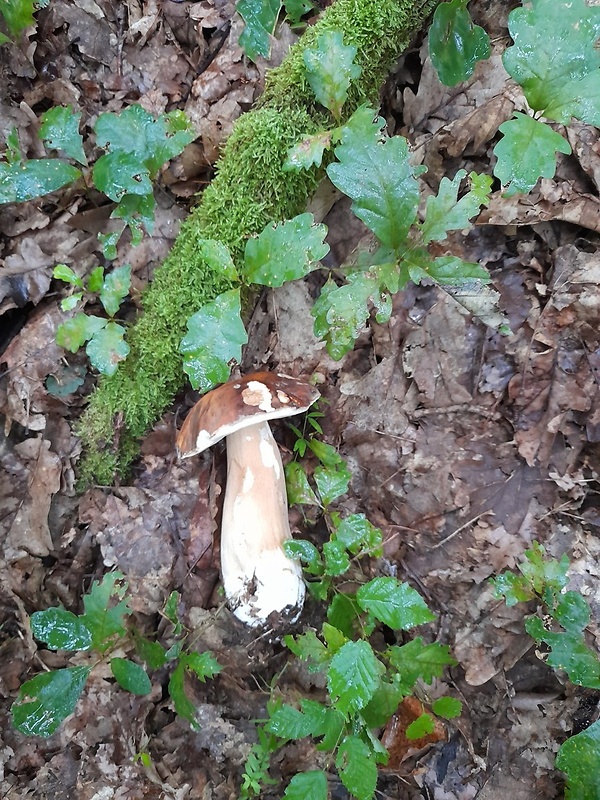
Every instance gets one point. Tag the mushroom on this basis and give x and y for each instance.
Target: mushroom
(258, 577)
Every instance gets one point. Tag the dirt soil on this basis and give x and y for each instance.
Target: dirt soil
(465, 446)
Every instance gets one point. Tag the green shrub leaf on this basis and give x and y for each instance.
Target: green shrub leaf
(26, 180)
(305, 552)
(527, 152)
(308, 152)
(336, 558)
(118, 174)
(46, 700)
(75, 332)
(107, 348)
(307, 786)
(285, 252)
(568, 652)
(446, 213)
(260, 17)
(308, 647)
(298, 488)
(357, 767)
(332, 482)
(203, 665)
(393, 603)
(105, 610)
(572, 612)
(456, 44)
(555, 58)
(356, 533)
(579, 758)
(60, 630)
(288, 722)
(422, 726)
(447, 707)
(64, 273)
(353, 676)
(416, 660)
(130, 676)
(215, 336)
(330, 69)
(115, 288)
(59, 130)
(18, 15)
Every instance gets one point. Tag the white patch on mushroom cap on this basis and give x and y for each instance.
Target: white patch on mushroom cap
(203, 441)
(259, 395)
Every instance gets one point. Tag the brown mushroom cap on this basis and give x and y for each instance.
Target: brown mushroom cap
(258, 397)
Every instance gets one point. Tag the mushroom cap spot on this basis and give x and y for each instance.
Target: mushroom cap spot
(259, 397)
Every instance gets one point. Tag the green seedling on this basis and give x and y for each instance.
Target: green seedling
(456, 44)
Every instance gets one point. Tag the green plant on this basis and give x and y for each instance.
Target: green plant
(106, 346)
(47, 699)
(18, 15)
(364, 684)
(560, 625)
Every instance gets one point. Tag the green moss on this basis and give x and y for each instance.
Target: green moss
(249, 190)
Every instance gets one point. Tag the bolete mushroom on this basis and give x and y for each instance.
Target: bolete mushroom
(258, 577)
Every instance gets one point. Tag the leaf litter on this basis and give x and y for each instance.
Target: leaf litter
(465, 446)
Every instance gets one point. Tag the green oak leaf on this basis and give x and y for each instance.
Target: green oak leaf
(260, 17)
(526, 153)
(572, 612)
(26, 180)
(579, 758)
(65, 273)
(107, 348)
(59, 130)
(308, 152)
(215, 336)
(555, 58)
(105, 610)
(285, 252)
(513, 588)
(115, 287)
(75, 332)
(61, 629)
(446, 213)
(357, 767)
(330, 69)
(296, 9)
(353, 676)
(130, 676)
(456, 44)
(395, 604)
(48, 699)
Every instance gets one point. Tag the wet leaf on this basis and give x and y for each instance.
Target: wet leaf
(357, 767)
(26, 180)
(285, 252)
(308, 647)
(105, 610)
(203, 665)
(357, 533)
(456, 44)
(332, 482)
(130, 676)
(526, 153)
(447, 707)
(416, 660)
(305, 552)
(118, 174)
(353, 676)
(572, 612)
(342, 613)
(298, 488)
(288, 722)
(445, 212)
(46, 700)
(260, 17)
(107, 348)
(422, 726)
(307, 786)
(59, 130)
(75, 332)
(65, 273)
(61, 630)
(330, 69)
(215, 336)
(579, 758)
(115, 287)
(308, 152)
(336, 558)
(296, 9)
(569, 652)
(384, 702)
(393, 603)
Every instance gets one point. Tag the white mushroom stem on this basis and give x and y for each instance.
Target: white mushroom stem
(257, 575)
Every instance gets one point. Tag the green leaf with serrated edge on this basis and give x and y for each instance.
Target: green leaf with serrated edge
(330, 69)
(341, 313)
(105, 610)
(172, 607)
(393, 603)
(107, 348)
(109, 243)
(542, 572)
(379, 178)
(326, 453)
(309, 648)
(416, 660)
(296, 9)
(527, 152)
(260, 17)
(456, 44)
(336, 558)
(181, 702)
(579, 758)
(59, 130)
(342, 613)
(27, 180)
(353, 676)
(130, 676)
(422, 726)
(334, 638)
(285, 252)
(69, 303)
(60, 630)
(569, 652)
(215, 336)
(174, 651)
(96, 279)
(137, 211)
(447, 707)
(555, 58)
(482, 302)
(324, 722)
(18, 15)
(305, 552)
(356, 767)
(118, 174)
(332, 482)
(445, 212)
(307, 786)
(572, 612)
(298, 488)
(151, 653)
(150, 142)
(48, 699)
(384, 702)
(73, 333)
(116, 287)
(357, 534)
(203, 665)
(320, 589)
(288, 722)
(308, 152)
(513, 588)
(64, 273)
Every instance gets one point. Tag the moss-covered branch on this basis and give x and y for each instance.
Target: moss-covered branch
(250, 190)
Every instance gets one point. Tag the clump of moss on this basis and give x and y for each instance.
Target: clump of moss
(249, 190)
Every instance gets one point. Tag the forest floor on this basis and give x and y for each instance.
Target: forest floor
(465, 445)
